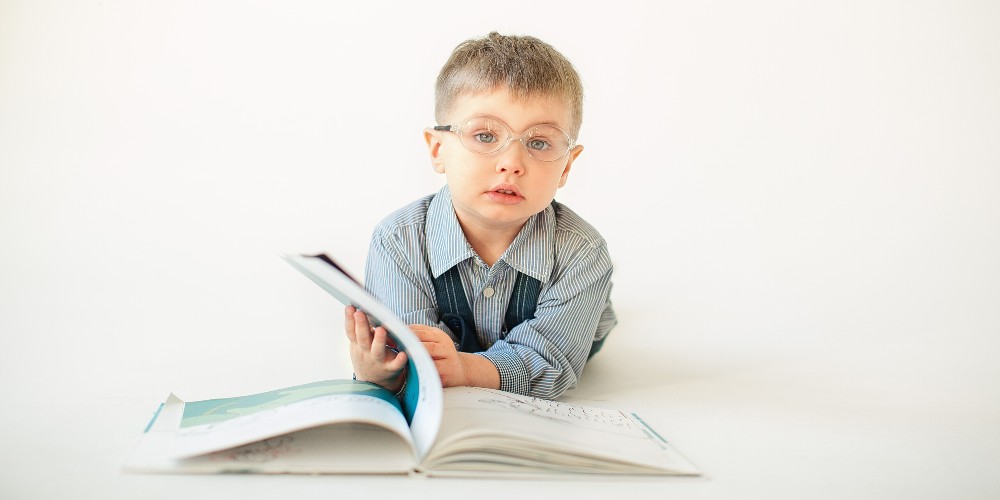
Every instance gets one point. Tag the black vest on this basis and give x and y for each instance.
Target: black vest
(454, 309)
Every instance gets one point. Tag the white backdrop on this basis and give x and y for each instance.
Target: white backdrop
(777, 181)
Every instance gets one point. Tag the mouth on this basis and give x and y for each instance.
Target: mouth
(506, 195)
(506, 189)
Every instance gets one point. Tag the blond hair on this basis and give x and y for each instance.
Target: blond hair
(525, 65)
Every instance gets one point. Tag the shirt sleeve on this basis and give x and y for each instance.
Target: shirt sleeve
(544, 356)
(394, 280)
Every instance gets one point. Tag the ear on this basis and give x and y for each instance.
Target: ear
(433, 138)
(573, 153)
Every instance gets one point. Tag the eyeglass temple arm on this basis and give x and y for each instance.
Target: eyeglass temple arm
(446, 128)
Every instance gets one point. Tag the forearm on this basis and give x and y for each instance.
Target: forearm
(534, 371)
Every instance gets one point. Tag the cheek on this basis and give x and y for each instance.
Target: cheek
(456, 156)
(558, 177)
(460, 174)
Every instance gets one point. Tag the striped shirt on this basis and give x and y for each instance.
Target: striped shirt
(541, 357)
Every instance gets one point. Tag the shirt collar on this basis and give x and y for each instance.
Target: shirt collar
(446, 243)
(531, 253)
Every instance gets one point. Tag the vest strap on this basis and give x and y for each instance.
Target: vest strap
(454, 309)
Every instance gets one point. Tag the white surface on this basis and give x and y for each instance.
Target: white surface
(808, 308)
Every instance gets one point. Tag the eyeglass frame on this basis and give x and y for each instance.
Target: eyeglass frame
(571, 143)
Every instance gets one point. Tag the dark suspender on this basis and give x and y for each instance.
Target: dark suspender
(454, 310)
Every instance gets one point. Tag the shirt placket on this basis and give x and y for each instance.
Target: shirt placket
(488, 304)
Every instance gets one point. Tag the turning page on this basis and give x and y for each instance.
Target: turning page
(422, 397)
(219, 424)
(370, 438)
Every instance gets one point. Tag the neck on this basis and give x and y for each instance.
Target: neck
(490, 242)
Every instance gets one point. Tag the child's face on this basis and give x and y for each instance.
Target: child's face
(501, 190)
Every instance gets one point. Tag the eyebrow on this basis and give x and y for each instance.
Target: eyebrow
(550, 123)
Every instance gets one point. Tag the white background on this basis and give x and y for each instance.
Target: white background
(801, 199)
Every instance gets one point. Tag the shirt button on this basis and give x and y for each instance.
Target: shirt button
(488, 292)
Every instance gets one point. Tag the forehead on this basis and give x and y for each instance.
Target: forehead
(520, 113)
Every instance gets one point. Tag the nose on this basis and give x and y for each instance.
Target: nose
(511, 158)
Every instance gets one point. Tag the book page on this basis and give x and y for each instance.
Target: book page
(490, 430)
(220, 424)
(339, 448)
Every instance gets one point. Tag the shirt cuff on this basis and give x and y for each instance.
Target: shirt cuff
(513, 373)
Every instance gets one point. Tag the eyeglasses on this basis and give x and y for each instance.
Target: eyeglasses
(485, 135)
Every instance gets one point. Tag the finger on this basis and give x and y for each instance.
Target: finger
(434, 349)
(427, 333)
(378, 349)
(362, 330)
(349, 323)
(398, 362)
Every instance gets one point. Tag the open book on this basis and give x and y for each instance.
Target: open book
(354, 427)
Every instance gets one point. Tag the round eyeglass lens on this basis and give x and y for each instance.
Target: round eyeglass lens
(483, 135)
(545, 142)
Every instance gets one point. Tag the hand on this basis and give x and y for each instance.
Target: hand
(456, 368)
(373, 361)
(442, 350)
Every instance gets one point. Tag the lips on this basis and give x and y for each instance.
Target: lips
(506, 189)
(505, 194)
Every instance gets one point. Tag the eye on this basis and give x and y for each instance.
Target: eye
(485, 137)
(538, 144)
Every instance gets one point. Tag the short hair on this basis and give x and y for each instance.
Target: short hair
(525, 65)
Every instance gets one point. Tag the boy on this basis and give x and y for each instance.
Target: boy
(506, 288)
